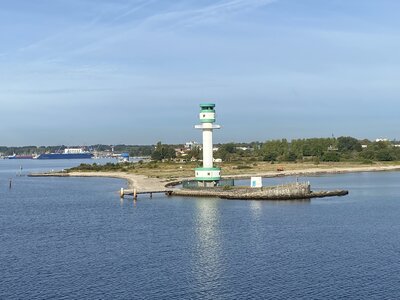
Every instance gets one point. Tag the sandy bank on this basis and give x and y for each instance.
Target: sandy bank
(139, 182)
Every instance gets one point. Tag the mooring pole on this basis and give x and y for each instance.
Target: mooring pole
(10, 184)
(121, 193)
(134, 194)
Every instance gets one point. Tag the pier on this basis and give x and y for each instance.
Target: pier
(135, 193)
(283, 192)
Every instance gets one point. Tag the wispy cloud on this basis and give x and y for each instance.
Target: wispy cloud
(190, 16)
(56, 91)
(114, 24)
(168, 19)
(103, 15)
(133, 9)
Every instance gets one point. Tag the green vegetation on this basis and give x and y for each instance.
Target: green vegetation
(29, 150)
(163, 152)
(345, 149)
(143, 150)
(195, 153)
(104, 168)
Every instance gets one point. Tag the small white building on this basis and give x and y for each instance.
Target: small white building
(190, 145)
(256, 182)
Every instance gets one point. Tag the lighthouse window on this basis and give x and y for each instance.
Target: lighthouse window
(204, 116)
(208, 174)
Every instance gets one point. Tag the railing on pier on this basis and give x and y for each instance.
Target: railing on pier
(135, 193)
(193, 184)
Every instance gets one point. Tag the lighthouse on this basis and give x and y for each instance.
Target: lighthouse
(208, 175)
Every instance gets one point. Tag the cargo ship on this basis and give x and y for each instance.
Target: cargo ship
(69, 153)
(18, 156)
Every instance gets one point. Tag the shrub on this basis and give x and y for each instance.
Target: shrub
(243, 167)
(367, 162)
(331, 156)
(385, 155)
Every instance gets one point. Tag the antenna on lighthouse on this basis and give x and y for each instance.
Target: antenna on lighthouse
(208, 174)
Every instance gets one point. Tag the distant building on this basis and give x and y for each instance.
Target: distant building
(381, 140)
(181, 151)
(191, 145)
(242, 148)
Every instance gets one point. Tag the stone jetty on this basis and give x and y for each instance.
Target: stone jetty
(282, 192)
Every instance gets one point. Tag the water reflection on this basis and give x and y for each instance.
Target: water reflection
(256, 209)
(256, 206)
(127, 202)
(208, 252)
(291, 202)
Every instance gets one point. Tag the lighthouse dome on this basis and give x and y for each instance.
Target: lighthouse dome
(207, 113)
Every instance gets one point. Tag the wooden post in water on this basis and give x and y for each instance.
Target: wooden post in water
(151, 195)
(134, 194)
(10, 184)
(121, 193)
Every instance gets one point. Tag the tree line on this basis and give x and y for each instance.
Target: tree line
(343, 148)
(313, 149)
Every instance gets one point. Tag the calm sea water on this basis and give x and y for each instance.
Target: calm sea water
(73, 238)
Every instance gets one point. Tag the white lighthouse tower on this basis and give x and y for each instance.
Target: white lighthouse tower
(208, 175)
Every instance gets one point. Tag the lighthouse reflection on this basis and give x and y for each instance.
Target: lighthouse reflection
(255, 209)
(208, 248)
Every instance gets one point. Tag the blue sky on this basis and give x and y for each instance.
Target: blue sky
(131, 71)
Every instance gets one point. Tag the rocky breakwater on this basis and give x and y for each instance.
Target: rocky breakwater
(281, 192)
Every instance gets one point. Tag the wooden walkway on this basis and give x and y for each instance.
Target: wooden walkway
(135, 193)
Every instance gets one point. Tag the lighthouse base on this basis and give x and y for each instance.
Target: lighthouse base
(208, 174)
(207, 184)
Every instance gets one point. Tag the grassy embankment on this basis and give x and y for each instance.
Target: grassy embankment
(172, 170)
